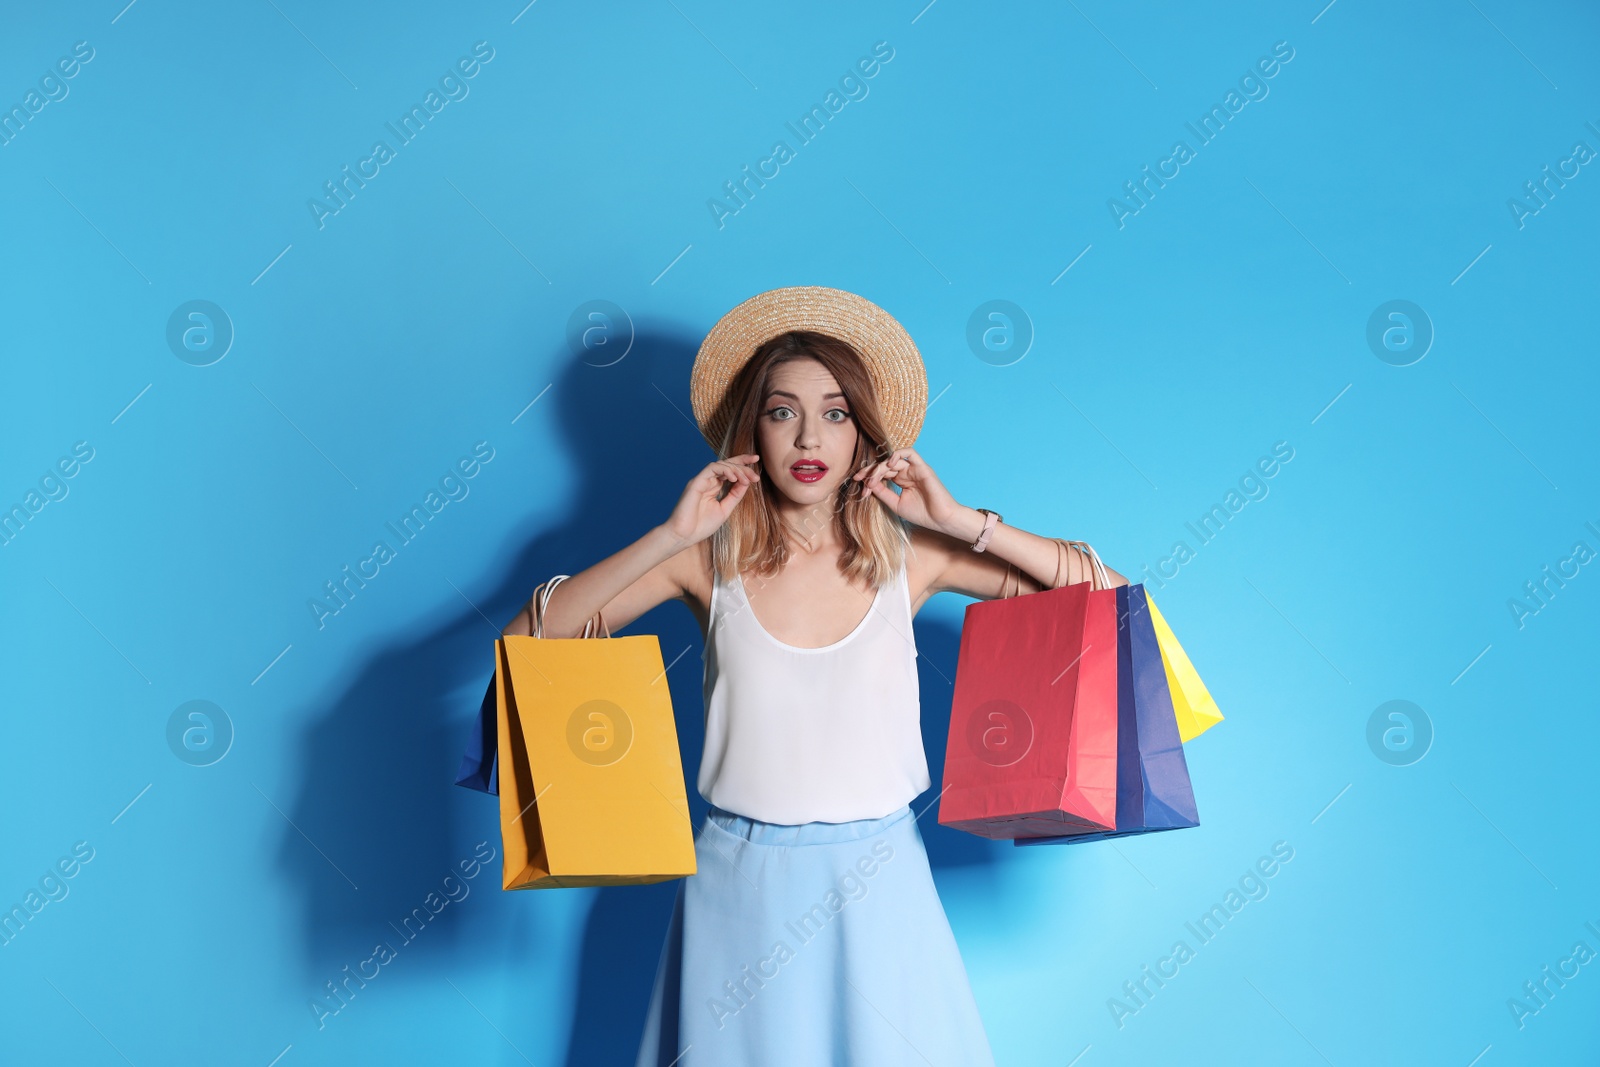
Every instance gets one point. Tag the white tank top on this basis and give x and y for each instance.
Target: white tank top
(828, 734)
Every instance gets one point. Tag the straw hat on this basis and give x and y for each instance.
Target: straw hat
(890, 356)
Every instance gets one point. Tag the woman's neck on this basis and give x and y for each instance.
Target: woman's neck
(810, 527)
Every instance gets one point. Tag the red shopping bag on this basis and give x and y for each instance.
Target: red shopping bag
(1033, 722)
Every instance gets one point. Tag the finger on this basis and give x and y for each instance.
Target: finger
(887, 466)
(734, 472)
(902, 463)
(743, 462)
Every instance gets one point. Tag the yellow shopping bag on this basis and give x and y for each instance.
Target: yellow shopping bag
(1196, 711)
(591, 782)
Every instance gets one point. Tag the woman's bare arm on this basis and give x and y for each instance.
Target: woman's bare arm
(624, 586)
(653, 569)
(1015, 561)
(1037, 557)
(952, 527)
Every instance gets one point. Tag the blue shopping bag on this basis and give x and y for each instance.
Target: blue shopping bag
(1154, 791)
(480, 766)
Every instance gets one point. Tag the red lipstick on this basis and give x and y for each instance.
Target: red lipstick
(808, 470)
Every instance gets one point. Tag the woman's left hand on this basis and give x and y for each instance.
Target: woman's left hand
(922, 499)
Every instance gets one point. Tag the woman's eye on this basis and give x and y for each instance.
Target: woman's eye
(783, 414)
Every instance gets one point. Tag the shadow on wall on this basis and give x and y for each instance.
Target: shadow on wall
(378, 764)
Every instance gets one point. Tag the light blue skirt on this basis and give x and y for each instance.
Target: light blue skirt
(817, 945)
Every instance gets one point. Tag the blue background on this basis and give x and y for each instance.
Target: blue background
(1225, 316)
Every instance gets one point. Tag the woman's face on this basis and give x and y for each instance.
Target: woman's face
(806, 433)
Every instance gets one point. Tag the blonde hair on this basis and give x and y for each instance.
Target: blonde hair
(754, 538)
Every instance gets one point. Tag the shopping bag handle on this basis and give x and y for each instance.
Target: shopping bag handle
(1099, 577)
(541, 604)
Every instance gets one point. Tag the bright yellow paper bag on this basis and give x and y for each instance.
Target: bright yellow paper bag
(591, 782)
(1196, 711)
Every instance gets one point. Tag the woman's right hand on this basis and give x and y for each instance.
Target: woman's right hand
(699, 513)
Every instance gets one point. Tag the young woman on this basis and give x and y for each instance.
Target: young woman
(812, 934)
